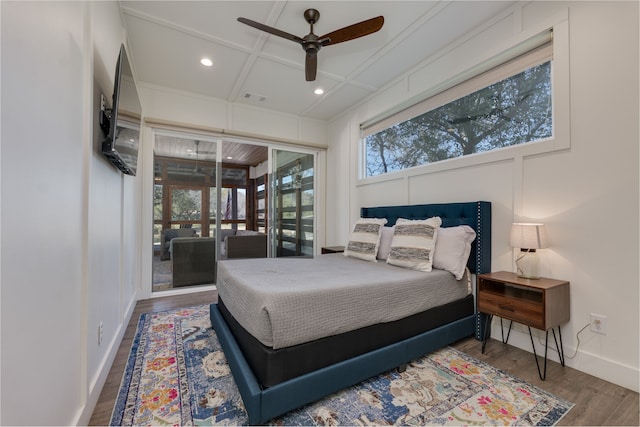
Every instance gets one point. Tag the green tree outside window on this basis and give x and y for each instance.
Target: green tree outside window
(512, 111)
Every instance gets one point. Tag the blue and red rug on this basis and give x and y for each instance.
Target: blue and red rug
(177, 375)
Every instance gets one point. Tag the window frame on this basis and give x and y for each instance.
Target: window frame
(561, 139)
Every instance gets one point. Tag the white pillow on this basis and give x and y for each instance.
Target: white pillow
(385, 242)
(453, 248)
(365, 239)
(413, 243)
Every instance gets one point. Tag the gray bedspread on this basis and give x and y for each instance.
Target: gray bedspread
(287, 301)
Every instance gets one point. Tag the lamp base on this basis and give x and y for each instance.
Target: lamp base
(527, 264)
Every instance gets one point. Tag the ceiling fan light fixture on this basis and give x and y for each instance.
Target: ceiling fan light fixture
(206, 62)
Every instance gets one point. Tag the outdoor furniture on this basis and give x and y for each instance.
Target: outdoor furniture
(168, 235)
(194, 260)
(246, 246)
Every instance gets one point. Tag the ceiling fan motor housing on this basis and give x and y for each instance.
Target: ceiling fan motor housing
(311, 46)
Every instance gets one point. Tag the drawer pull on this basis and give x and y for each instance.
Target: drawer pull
(506, 307)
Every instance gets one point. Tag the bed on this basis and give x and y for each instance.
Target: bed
(277, 374)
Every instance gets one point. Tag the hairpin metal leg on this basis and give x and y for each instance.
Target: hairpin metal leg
(487, 331)
(560, 348)
(508, 333)
(535, 355)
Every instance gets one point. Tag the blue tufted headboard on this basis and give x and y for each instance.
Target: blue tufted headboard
(477, 215)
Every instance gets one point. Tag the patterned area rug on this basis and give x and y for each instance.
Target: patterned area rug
(177, 374)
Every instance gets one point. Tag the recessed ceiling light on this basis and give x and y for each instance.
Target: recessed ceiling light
(206, 62)
(318, 91)
(229, 157)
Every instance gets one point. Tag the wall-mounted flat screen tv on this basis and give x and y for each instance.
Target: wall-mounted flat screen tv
(123, 138)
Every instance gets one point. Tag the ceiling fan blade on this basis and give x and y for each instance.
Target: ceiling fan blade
(353, 31)
(311, 67)
(271, 30)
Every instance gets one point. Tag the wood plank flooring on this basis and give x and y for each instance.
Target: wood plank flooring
(597, 402)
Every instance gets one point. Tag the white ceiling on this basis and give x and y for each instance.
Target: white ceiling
(168, 39)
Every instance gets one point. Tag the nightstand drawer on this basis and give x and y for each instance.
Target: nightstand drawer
(521, 311)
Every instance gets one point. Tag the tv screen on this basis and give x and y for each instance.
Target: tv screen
(123, 139)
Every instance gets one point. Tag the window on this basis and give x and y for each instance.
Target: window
(293, 203)
(185, 188)
(508, 105)
(233, 207)
(186, 205)
(260, 214)
(157, 216)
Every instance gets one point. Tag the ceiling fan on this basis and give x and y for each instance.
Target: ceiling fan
(311, 43)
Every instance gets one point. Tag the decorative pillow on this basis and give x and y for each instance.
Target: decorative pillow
(413, 243)
(453, 248)
(385, 242)
(365, 239)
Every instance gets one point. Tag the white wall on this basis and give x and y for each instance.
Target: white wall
(197, 110)
(586, 193)
(70, 221)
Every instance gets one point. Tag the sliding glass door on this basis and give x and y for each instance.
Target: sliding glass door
(207, 188)
(185, 180)
(292, 203)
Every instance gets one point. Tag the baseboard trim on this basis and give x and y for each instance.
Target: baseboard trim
(584, 361)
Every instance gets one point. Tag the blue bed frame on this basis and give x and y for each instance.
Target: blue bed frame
(264, 404)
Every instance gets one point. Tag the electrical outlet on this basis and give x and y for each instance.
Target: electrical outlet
(100, 333)
(599, 324)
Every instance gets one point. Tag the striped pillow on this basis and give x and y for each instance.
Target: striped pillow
(413, 243)
(365, 239)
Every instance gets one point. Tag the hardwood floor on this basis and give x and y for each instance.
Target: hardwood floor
(597, 402)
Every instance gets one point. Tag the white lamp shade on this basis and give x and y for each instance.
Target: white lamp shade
(528, 236)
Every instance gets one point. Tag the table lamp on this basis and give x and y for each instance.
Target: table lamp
(528, 237)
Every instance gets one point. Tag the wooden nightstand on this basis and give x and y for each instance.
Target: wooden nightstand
(537, 303)
(332, 249)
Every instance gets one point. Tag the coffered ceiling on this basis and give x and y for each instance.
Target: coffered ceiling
(168, 39)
